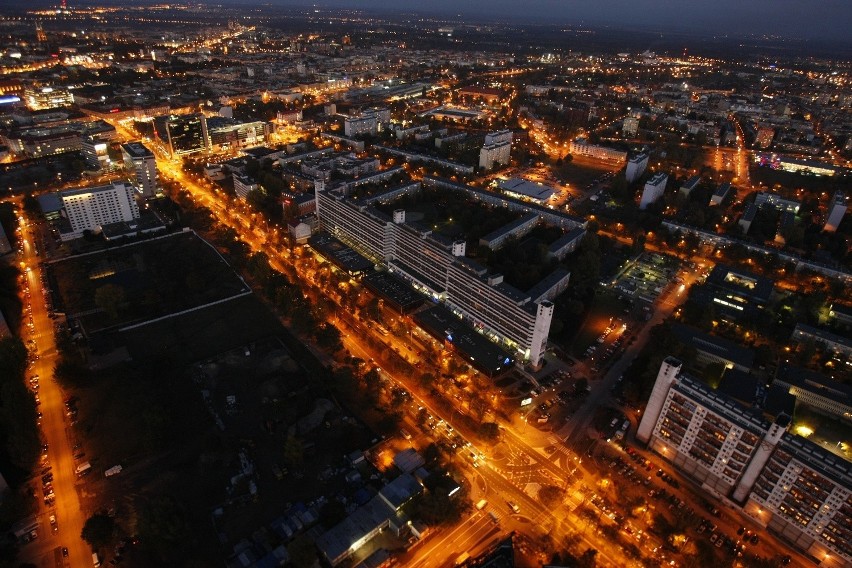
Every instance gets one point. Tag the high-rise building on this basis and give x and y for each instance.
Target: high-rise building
(636, 167)
(371, 121)
(630, 126)
(836, 211)
(96, 154)
(491, 154)
(791, 486)
(186, 134)
(88, 209)
(765, 135)
(142, 166)
(654, 189)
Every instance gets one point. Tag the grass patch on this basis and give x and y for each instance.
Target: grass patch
(143, 281)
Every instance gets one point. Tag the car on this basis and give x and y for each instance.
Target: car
(65, 552)
(513, 506)
(714, 537)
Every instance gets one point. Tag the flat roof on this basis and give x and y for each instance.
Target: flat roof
(340, 254)
(393, 289)
(717, 346)
(529, 188)
(509, 227)
(137, 150)
(741, 281)
(483, 354)
(814, 382)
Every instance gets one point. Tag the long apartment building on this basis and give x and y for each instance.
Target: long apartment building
(437, 266)
(795, 488)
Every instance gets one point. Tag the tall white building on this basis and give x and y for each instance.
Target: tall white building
(96, 154)
(142, 167)
(498, 137)
(836, 211)
(787, 484)
(371, 121)
(491, 154)
(654, 189)
(92, 207)
(636, 167)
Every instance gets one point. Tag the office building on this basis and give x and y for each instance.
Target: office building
(88, 209)
(836, 211)
(492, 154)
(142, 167)
(48, 97)
(186, 134)
(793, 487)
(230, 134)
(636, 167)
(96, 154)
(654, 189)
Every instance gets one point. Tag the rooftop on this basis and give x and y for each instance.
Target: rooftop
(137, 150)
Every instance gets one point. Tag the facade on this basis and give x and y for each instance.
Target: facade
(90, 208)
(437, 266)
(498, 237)
(96, 154)
(498, 137)
(791, 486)
(186, 134)
(636, 167)
(828, 397)
(765, 135)
(581, 147)
(836, 211)
(832, 342)
(225, 133)
(654, 189)
(630, 126)
(48, 97)
(371, 121)
(492, 154)
(776, 201)
(142, 167)
(721, 194)
(243, 185)
(689, 185)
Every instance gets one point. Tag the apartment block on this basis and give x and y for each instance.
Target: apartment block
(91, 208)
(796, 489)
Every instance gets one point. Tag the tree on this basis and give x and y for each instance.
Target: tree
(550, 496)
(302, 552)
(294, 452)
(110, 298)
(489, 431)
(98, 530)
(162, 522)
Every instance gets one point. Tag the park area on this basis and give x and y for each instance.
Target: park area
(143, 281)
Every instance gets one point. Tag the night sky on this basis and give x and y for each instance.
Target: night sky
(813, 19)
